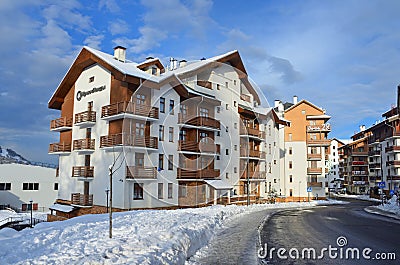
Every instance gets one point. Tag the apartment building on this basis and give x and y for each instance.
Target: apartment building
(192, 133)
(335, 181)
(306, 149)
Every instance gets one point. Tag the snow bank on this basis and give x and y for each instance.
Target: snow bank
(391, 206)
(358, 197)
(139, 237)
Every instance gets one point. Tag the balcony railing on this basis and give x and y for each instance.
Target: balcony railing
(316, 170)
(314, 156)
(121, 139)
(323, 142)
(254, 174)
(82, 199)
(314, 184)
(83, 172)
(250, 131)
(395, 163)
(392, 149)
(198, 121)
(359, 173)
(198, 174)
(359, 163)
(204, 83)
(359, 153)
(129, 108)
(86, 116)
(60, 147)
(374, 153)
(138, 172)
(62, 123)
(244, 152)
(84, 144)
(197, 147)
(245, 98)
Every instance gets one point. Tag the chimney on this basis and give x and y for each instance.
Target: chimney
(182, 63)
(280, 107)
(276, 103)
(295, 100)
(173, 63)
(362, 128)
(120, 53)
(149, 58)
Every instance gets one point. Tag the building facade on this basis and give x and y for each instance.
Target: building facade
(192, 133)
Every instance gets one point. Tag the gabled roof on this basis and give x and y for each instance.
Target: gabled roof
(305, 102)
(149, 62)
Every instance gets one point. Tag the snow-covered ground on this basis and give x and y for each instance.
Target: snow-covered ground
(391, 206)
(4, 214)
(358, 197)
(139, 237)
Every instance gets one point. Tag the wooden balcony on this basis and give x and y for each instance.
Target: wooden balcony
(245, 98)
(251, 131)
(121, 139)
(323, 142)
(204, 83)
(131, 109)
(82, 199)
(57, 148)
(61, 124)
(83, 172)
(253, 174)
(199, 121)
(391, 149)
(199, 147)
(137, 172)
(314, 184)
(84, 144)
(316, 170)
(314, 156)
(252, 153)
(198, 174)
(85, 119)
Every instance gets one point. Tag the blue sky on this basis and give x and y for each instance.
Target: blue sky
(341, 55)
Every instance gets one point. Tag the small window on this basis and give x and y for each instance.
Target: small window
(290, 164)
(290, 178)
(227, 106)
(235, 125)
(218, 133)
(5, 186)
(227, 151)
(55, 186)
(170, 189)
(226, 84)
(138, 191)
(290, 150)
(274, 180)
(171, 134)
(234, 82)
(235, 170)
(162, 105)
(161, 133)
(227, 175)
(303, 112)
(234, 103)
(161, 161)
(227, 128)
(218, 87)
(171, 106)
(160, 190)
(30, 186)
(275, 162)
(218, 158)
(235, 147)
(218, 109)
(182, 190)
(91, 79)
(170, 162)
(290, 192)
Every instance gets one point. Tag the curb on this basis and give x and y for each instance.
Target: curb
(372, 210)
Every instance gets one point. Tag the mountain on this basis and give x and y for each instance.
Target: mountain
(8, 156)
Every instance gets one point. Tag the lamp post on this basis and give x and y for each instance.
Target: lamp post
(31, 204)
(107, 191)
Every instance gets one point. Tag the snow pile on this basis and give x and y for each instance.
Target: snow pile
(139, 237)
(391, 206)
(358, 197)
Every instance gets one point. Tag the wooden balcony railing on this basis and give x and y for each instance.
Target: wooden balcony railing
(83, 172)
(204, 83)
(254, 174)
(323, 142)
(86, 116)
(60, 147)
(198, 121)
(314, 184)
(316, 170)
(245, 98)
(198, 174)
(250, 131)
(130, 108)
(314, 156)
(121, 139)
(82, 199)
(252, 153)
(83, 144)
(138, 172)
(392, 149)
(193, 146)
(359, 153)
(62, 122)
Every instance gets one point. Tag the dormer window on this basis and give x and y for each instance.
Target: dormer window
(154, 70)
(91, 79)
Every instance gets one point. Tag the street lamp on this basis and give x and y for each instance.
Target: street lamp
(31, 204)
(107, 191)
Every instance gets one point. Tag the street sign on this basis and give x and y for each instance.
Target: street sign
(309, 189)
(381, 184)
(391, 192)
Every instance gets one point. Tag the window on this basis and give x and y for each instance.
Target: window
(140, 99)
(218, 158)
(182, 135)
(234, 103)
(226, 84)
(334, 147)
(171, 106)
(55, 186)
(218, 109)
(170, 190)
(290, 192)
(290, 150)
(170, 162)
(269, 167)
(171, 134)
(274, 180)
(161, 133)
(139, 159)
(303, 112)
(227, 151)
(269, 130)
(139, 129)
(235, 125)
(154, 70)
(204, 112)
(235, 147)
(290, 178)
(183, 109)
(274, 161)
(290, 164)
(234, 82)
(27, 207)
(161, 161)
(162, 105)
(235, 170)
(91, 79)
(160, 190)
(182, 190)
(5, 186)
(138, 191)
(218, 87)
(227, 106)
(313, 123)
(227, 175)
(269, 148)
(290, 137)
(227, 129)
(30, 186)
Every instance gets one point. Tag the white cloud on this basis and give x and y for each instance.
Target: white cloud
(94, 41)
(110, 5)
(118, 27)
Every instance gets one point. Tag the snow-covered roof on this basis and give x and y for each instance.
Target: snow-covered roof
(219, 184)
(62, 208)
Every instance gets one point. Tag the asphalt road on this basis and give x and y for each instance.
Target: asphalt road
(301, 231)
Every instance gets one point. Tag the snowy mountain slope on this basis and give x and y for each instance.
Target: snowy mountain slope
(8, 156)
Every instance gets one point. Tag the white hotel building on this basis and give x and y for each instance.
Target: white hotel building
(193, 134)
